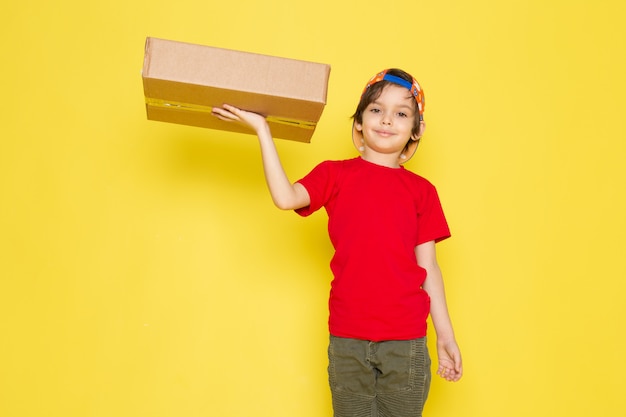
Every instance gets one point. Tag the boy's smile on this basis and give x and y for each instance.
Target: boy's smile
(384, 133)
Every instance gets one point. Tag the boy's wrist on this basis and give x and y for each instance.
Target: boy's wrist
(446, 337)
(263, 131)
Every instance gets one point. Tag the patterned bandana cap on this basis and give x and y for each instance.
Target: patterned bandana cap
(414, 88)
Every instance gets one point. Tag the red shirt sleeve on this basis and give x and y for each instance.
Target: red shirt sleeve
(319, 184)
(432, 221)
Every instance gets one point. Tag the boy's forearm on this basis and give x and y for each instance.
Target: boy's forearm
(285, 195)
(438, 306)
(433, 285)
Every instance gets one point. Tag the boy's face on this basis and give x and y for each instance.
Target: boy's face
(387, 122)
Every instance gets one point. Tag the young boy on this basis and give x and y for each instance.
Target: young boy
(383, 222)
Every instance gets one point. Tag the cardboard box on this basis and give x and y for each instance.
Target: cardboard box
(183, 81)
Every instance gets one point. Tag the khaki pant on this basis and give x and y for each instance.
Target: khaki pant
(378, 379)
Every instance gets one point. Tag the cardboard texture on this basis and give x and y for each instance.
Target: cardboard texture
(183, 81)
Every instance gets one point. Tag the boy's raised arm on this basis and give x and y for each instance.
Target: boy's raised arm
(286, 196)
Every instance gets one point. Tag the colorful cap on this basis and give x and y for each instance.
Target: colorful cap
(414, 88)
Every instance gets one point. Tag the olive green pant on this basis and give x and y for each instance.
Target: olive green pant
(378, 379)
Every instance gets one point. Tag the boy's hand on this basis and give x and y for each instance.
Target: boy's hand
(450, 364)
(230, 113)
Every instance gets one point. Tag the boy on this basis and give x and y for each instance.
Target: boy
(383, 223)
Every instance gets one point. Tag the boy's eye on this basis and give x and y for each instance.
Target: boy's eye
(375, 110)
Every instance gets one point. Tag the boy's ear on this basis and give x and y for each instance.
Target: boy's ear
(357, 136)
(420, 132)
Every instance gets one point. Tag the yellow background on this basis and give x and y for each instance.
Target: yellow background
(145, 272)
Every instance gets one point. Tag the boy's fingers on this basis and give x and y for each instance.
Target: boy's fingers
(224, 113)
(232, 109)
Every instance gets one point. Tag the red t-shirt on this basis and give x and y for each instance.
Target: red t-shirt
(376, 217)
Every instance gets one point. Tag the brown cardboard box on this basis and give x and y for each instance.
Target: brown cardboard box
(183, 81)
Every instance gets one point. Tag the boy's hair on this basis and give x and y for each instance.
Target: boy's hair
(375, 90)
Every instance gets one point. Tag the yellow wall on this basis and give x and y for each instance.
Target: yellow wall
(145, 272)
